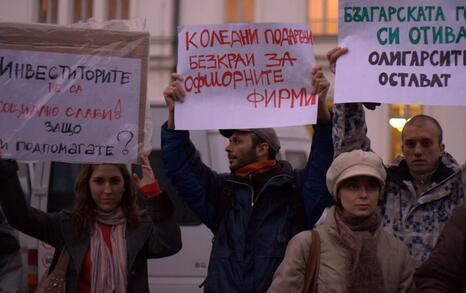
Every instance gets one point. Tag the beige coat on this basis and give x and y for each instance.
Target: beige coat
(396, 263)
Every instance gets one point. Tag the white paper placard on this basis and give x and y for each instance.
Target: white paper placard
(245, 76)
(402, 52)
(68, 107)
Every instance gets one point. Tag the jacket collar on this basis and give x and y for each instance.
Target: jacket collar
(285, 168)
(398, 170)
(135, 239)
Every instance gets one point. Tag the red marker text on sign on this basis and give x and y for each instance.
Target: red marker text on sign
(29, 110)
(227, 61)
(224, 37)
(234, 79)
(76, 89)
(280, 98)
(279, 61)
(54, 87)
(288, 36)
(95, 113)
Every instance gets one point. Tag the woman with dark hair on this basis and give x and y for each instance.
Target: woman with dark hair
(356, 255)
(108, 237)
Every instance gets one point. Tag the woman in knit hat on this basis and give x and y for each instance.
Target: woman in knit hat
(356, 254)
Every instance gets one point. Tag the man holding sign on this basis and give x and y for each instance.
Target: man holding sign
(423, 187)
(256, 209)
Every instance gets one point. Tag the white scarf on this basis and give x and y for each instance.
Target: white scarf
(108, 272)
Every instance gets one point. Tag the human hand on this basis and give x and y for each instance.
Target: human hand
(333, 55)
(148, 176)
(321, 85)
(174, 92)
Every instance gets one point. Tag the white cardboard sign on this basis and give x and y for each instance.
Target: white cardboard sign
(402, 52)
(245, 76)
(68, 107)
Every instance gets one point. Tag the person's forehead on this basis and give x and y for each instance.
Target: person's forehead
(105, 169)
(427, 129)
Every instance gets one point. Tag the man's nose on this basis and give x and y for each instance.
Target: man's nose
(228, 148)
(418, 149)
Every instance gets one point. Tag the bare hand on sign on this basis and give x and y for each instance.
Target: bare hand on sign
(321, 86)
(333, 55)
(174, 92)
(320, 83)
(148, 176)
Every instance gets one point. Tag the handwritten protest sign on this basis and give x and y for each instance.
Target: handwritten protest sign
(402, 52)
(74, 95)
(245, 75)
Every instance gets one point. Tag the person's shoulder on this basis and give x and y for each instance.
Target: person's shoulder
(391, 242)
(302, 239)
(459, 214)
(449, 161)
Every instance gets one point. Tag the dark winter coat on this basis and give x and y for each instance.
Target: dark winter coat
(251, 231)
(445, 269)
(156, 236)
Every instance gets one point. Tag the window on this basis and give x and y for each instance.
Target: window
(83, 10)
(48, 11)
(323, 17)
(118, 9)
(239, 11)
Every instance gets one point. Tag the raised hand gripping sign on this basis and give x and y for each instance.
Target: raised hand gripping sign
(402, 52)
(245, 75)
(81, 100)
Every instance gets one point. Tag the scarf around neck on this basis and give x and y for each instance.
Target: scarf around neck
(363, 273)
(256, 167)
(108, 272)
(257, 174)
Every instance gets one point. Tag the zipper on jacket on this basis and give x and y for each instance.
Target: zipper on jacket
(253, 202)
(244, 184)
(267, 184)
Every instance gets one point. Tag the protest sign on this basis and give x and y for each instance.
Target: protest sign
(402, 52)
(72, 95)
(245, 76)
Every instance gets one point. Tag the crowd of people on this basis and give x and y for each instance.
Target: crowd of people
(399, 227)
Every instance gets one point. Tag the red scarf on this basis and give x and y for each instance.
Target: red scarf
(256, 167)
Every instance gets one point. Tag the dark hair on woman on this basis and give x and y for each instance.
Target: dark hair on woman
(84, 208)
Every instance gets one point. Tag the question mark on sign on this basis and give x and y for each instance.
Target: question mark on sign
(125, 135)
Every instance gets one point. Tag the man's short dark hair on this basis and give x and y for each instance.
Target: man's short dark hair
(421, 119)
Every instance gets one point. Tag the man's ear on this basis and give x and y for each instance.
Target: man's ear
(262, 150)
(442, 148)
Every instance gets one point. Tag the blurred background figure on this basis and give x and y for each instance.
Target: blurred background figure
(10, 258)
